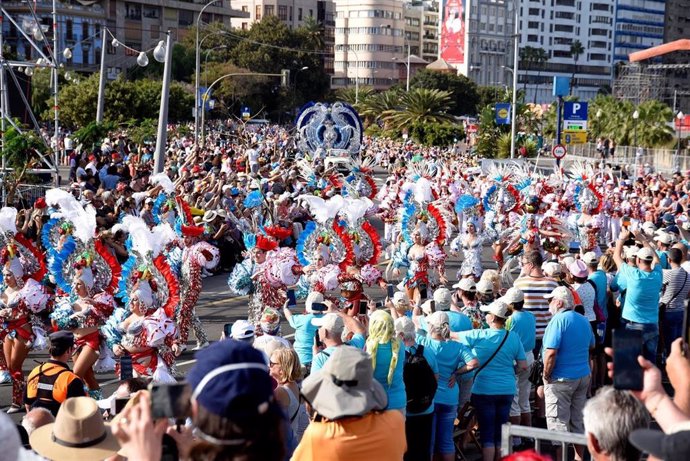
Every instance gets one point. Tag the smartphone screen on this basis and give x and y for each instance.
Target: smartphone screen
(432, 306)
(170, 401)
(379, 304)
(120, 404)
(227, 329)
(319, 307)
(391, 290)
(627, 346)
(686, 333)
(362, 307)
(317, 338)
(126, 371)
(292, 301)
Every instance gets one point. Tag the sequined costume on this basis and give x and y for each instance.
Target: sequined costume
(194, 258)
(21, 299)
(144, 327)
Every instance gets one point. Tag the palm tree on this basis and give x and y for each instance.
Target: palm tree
(653, 129)
(421, 106)
(527, 56)
(349, 95)
(540, 58)
(313, 33)
(375, 106)
(576, 49)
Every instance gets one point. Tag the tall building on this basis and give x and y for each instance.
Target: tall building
(368, 35)
(490, 42)
(139, 24)
(555, 25)
(294, 13)
(639, 25)
(422, 29)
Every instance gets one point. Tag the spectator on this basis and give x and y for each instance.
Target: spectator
(643, 287)
(351, 421)
(331, 327)
(270, 327)
(578, 274)
(285, 368)
(387, 358)
(77, 433)
(12, 449)
(568, 340)
(534, 285)
(485, 292)
(243, 331)
(36, 418)
(457, 320)
(453, 359)
(465, 301)
(610, 417)
(51, 383)
(305, 331)
(676, 286)
(418, 426)
(501, 355)
(522, 323)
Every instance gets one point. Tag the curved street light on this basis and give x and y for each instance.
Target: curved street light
(197, 71)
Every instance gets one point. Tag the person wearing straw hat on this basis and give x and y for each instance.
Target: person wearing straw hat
(77, 433)
(350, 420)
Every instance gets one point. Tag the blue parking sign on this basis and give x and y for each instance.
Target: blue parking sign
(575, 111)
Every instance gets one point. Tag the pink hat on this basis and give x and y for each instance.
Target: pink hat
(578, 268)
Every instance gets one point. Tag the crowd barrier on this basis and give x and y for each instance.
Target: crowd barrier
(540, 436)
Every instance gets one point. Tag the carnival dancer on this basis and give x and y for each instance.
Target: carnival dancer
(86, 274)
(589, 202)
(144, 327)
(22, 297)
(471, 244)
(195, 257)
(423, 233)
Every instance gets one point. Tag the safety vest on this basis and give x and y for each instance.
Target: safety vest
(48, 384)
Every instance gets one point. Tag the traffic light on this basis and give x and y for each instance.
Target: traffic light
(285, 78)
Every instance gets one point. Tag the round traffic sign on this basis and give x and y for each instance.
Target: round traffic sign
(558, 151)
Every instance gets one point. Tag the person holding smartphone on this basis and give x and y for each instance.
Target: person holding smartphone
(305, 330)
(330, 332)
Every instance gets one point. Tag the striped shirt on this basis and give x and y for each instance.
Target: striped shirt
(534, 289)
(677, 283)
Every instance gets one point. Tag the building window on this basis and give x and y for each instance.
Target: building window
(245, 9)
(282, 12)
(186, 18)
(152, 12)
(534, 11)
(269, 10)
(258, 13)
(340, 14)
(69, 32)
(245, 26)
(85, 30)
(533, 25)
(311, 13)
(133, 11)
(299, 14)
(131, 48)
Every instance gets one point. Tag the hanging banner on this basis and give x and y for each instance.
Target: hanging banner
(453, 32)
(503, 114)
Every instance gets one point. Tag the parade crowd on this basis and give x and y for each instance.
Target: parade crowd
(394, 356)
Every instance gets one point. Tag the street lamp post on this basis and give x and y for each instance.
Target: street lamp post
(680, 118)
(515, 80)
(196, 72)
(165, 56)
(207, 52)
(349, 48)
(635, 116)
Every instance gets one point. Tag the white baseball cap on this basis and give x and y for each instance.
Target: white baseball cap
(513, 295)
(485, 286)
(331, 322)
(242, 329)
(498, 308)
(590, 258)
(561, 293)
(466, 284)
(443, 298)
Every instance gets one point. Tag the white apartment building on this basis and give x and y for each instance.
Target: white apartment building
(422, 29)
(490, 43)
(554, 25)
(368, 35)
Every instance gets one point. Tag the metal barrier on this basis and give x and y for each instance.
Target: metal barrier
(27, 194)
(509, 431)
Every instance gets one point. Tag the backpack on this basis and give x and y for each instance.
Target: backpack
(420, 382)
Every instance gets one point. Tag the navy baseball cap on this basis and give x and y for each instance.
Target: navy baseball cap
(230, 379)
(62, 339)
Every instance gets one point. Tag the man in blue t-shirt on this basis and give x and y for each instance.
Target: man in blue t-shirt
(568, 340)
(331, 327)
(643, 290)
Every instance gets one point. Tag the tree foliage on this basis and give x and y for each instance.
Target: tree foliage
(21, 153)
(93, 133)
(463, 92)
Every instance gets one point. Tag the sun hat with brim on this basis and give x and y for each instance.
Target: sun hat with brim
(230, 379)
(669, 447)
(77, 433)
(210, 216)
(497, 308)
(578, 268)
(345, 386)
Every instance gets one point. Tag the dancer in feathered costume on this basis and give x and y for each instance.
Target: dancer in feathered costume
(195, 257)
(86, 275)
(361, 178)
(589, 203)
(144, 328)
(423, 234)
(170, 208)
(323, 248)
(22, 296)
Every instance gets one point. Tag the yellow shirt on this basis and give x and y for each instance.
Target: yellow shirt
(376, 436)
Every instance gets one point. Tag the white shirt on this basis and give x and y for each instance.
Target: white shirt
(253, 156)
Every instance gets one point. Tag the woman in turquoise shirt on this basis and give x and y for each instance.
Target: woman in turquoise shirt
(388, 358)
(452, 358)
(494, 385)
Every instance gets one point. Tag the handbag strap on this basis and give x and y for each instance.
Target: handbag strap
(505, 337)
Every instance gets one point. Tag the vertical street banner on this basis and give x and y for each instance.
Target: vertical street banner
(453, 32)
